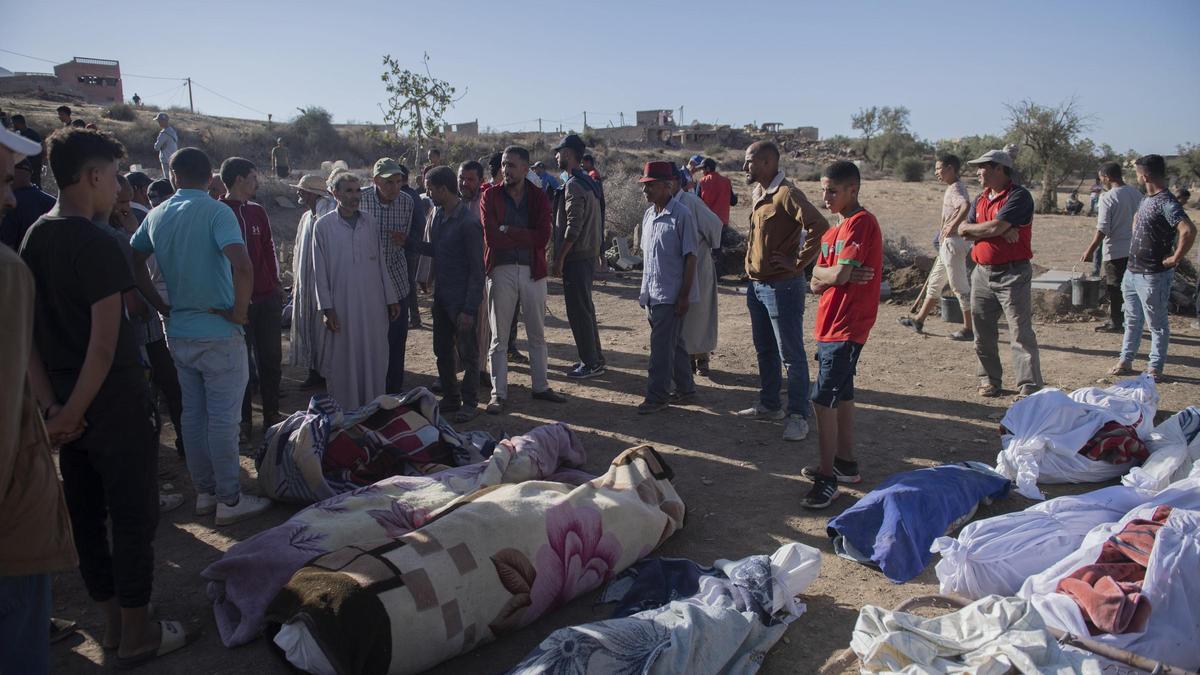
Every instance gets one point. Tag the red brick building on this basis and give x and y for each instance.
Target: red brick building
(98, 80)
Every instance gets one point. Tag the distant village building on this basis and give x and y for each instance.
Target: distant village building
(450, 131)
(96, 81)
(655, 118)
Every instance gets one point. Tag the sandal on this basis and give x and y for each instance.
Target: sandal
(1121, 368)
(173, 638)
(60, 629)
(989, 390)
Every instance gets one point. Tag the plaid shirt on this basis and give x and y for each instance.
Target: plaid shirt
(395, 217)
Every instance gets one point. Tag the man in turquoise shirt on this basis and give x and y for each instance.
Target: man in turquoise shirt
(200, 251)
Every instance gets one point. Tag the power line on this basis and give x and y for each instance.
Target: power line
(168, 91)
(152, 77)
(35, 58)
(228, 99)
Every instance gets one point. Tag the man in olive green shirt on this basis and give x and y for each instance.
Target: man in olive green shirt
(279, 159)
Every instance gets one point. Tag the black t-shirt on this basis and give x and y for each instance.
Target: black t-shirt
(76, 264)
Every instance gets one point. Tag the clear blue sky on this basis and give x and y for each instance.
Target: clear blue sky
(1132, 65)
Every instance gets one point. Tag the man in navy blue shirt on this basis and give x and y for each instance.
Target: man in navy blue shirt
(32, 204)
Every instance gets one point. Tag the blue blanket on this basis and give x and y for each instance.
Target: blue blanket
(896, 523)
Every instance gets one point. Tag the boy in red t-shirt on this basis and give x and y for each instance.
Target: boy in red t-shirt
(847, 278)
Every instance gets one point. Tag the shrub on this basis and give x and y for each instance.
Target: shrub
(120, 111)
(312, 131)
(624, 204)
(910, 170)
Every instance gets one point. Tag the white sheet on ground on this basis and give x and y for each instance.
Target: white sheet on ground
(1050, 427)
(1172, 584)
(996, 555)
(990, 636)
(1174, 452)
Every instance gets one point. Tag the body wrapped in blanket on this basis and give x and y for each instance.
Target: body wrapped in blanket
(245, 580)
(326, 451)
(485, 565)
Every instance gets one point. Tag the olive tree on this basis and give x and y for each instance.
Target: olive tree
(416, 103)
(1053, 134)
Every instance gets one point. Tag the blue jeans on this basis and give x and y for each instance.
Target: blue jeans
(835, 377)
(212, 376)
(25, 624)
(1147, 297)
(777, 323)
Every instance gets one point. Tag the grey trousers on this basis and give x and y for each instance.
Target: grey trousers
(1005, 290)
(669, 360)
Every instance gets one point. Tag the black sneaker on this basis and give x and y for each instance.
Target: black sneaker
(449, 405)
(912, 323)
(822, 494)
(845, 472)
(582, 372)
(517, 357)
(549, 395)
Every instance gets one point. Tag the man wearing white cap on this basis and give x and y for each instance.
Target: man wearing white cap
(166, 144)
(1001, 225)
(308, 332)
(35, 535)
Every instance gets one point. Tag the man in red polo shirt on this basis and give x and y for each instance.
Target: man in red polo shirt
(716, 191)
(1001, 225)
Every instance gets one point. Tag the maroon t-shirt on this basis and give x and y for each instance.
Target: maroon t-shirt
(256, 230)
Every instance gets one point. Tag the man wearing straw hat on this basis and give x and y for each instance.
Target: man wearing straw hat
(308, 332)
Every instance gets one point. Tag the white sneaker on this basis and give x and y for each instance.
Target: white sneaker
(205, 503)
(169, 501)
(248, 506)
(795, 429)
(760, 412)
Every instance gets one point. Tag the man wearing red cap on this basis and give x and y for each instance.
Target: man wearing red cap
(669, 270)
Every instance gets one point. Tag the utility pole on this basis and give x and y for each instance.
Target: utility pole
(680, 120)
(539, 126)
(191, 106)
(585, 122)
(622, 119)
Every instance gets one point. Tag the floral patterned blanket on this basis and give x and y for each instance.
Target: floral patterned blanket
(245, 580)
(483, 566)
(736, 611)
(324, 451)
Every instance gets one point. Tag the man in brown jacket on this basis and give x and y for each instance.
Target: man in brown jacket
(785, 234)
(35, 532)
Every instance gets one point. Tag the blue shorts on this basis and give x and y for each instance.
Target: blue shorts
(838, 362)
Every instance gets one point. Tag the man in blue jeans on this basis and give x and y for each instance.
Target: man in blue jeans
(785, 236)
(209, 276)
(1162, 236)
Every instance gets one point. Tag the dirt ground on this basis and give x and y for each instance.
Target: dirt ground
(741, 483)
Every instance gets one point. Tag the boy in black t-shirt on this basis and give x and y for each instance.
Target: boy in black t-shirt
(88, 379)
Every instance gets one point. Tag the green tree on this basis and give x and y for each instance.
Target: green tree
(416, 103)
(1189, 158)
(889, 127)
(866, 121)
(1052, 133)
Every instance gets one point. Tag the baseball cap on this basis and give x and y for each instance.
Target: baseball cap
(18, 143)
(572, 141)
(696, 160)
(161, 116)
(995, 157)
(387, 166)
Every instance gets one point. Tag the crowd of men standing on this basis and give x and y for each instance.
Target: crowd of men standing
(122, 274)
